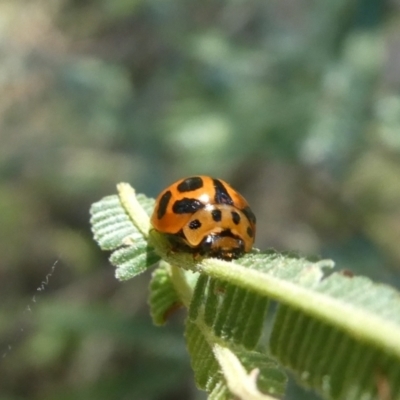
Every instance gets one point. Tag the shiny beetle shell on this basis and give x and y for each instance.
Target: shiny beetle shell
(205, 216)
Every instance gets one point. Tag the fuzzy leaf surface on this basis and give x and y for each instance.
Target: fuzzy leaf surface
(340, 335)
(114, 230)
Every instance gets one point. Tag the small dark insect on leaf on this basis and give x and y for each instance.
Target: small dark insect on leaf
(347, 273)
(174, 307)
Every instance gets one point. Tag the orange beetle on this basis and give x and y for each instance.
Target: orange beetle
(205, 216)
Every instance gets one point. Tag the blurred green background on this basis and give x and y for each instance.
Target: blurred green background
(295, 103)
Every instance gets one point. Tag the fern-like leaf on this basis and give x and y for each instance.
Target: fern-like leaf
(163, 297)
(338, 334)
(234, 314)
(114, 230)
(334, 362)
(207, 368)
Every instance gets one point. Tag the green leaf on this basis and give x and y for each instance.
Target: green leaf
(110, 224)
(113, 229)
(233, 313)
(133, 260)
(271, 378)
(204, 364)
(343, 365)
(339, 334)
(163, 297)
(207, 368)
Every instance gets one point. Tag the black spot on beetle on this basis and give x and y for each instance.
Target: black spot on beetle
(190, 184)
(250, 232)
(186, 206)
(249, 214)
(195, 224)
(216, 215)
(235, 217)
(163, 204)
(221, 194)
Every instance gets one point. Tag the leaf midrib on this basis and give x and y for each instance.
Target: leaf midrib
(357, 322)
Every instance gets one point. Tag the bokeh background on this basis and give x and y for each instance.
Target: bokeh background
(295, 103)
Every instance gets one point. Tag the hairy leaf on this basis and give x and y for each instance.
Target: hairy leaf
(114, 230)
(163, 297)
(338, 364)
(233, 313)
(207, 369)
(339, 334)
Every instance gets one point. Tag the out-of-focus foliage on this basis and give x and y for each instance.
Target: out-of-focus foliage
(297, 104)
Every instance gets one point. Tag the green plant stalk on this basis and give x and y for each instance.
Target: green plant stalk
(239, 382)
